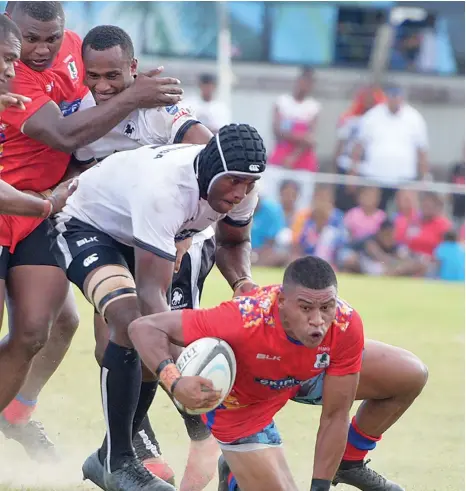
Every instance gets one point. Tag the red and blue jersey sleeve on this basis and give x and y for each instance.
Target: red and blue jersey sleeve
(222, 322)
(347, 356)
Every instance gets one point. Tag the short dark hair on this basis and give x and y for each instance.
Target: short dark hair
(43, 11)
(101, 38)
(310, 272)
(307, 71)
(450, 236)
(289, 182)
(207, 78)
(386, 224)
(7, 27)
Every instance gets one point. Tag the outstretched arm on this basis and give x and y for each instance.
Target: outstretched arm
(338, 396)
(49, 126)
(151, 336)
(14, 202)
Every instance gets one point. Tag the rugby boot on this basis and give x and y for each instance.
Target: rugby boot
(364, 478)
(148, 452)
(32, 437)
(133, 476)
(94, 470)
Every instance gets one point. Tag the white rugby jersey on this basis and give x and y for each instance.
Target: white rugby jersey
(156, 126)
(149, 198)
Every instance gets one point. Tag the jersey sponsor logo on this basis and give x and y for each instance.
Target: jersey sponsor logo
(68, 108)
(280, 384)
(73, 70)
(180, 114)
(90, 260)
(177, 300)
(86, 240)
(262, 356)
(130, 129)
(172, 109)
(322, 360)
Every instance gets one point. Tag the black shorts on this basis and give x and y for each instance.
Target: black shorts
(34, 250)
(80, 248)
(188, 283)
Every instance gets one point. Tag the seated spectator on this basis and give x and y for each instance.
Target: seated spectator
(289, 192)
(365, 219)
(379, 255)
(457, 177)
(323, 193)
(319, 235)
(423, 233)
(268, 221)
(267, 224)
(449, 256)
(406, 204)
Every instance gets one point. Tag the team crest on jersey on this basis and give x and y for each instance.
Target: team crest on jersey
(73, 70)
(322, 360)
(130, 130)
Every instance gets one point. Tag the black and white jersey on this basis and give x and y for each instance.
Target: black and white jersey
(149, 198)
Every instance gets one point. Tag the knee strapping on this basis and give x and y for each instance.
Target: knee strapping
(108, 284)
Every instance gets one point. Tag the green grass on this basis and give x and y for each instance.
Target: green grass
(424, 451)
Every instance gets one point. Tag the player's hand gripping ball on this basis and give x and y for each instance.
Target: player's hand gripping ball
(213, 360)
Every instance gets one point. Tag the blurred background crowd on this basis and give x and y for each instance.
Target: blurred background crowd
(361, 105)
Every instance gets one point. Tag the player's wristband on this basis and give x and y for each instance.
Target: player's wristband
(168, 376)
(47, 193)
(320, 485)
(48, 208)
(162, 365)
(175, 382)
(240, 281)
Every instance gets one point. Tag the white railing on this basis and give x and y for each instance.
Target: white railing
(306, 181)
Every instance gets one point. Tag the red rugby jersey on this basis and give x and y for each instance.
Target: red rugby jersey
(28, 164)
(270, 365)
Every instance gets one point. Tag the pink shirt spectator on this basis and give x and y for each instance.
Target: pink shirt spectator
(360, 225)
(296, 117)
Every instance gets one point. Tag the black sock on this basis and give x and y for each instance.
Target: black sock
(121, 383)
(146, 396)
(145, 442)
(345, 465)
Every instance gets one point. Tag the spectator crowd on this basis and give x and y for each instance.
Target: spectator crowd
(385, 230)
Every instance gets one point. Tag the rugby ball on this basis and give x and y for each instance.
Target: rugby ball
(213, 359)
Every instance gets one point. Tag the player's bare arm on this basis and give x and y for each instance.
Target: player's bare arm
(233, 256)
(198, 134)
(152, 336)
(153, 278)
(14, 202)
(49, 126)
(338, 396)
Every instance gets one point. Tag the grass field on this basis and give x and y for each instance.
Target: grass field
(424, 451)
